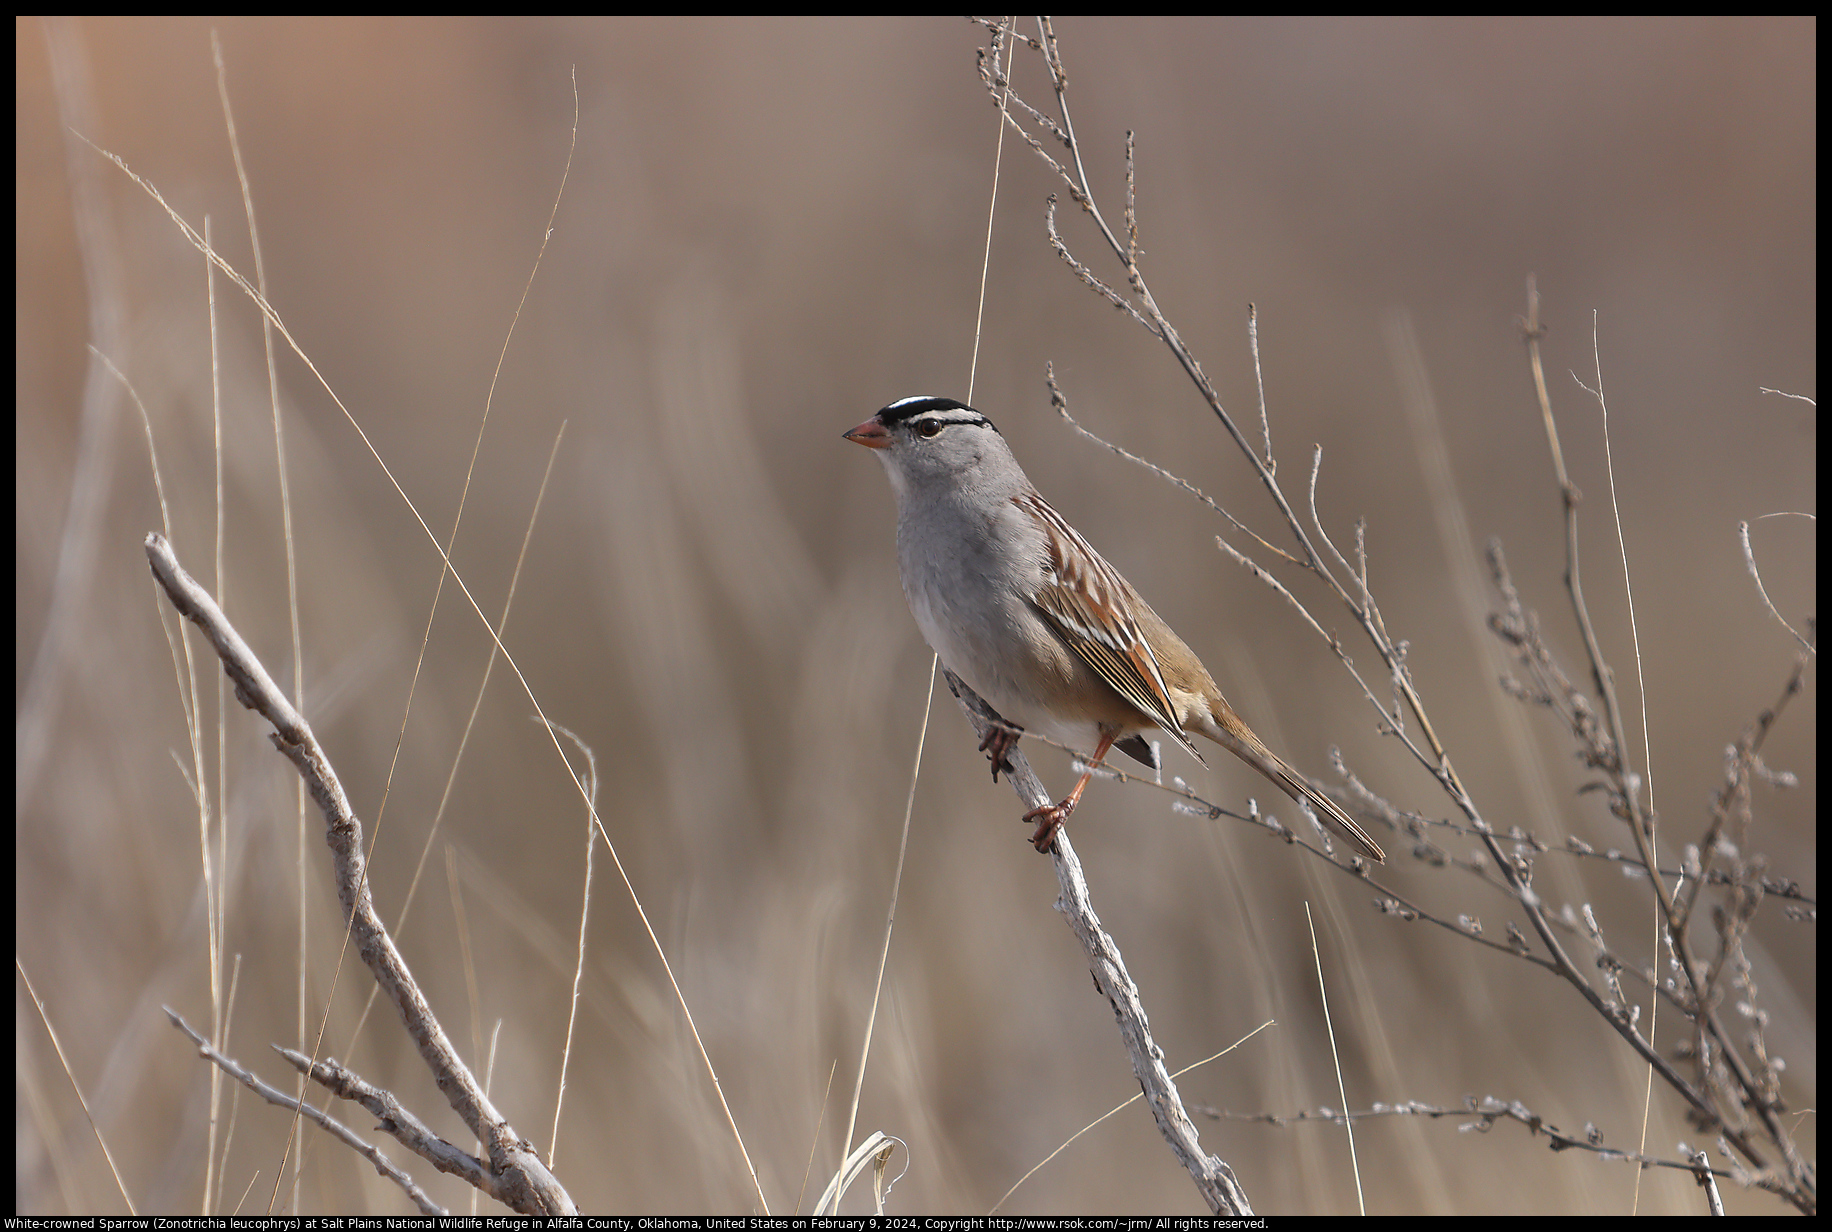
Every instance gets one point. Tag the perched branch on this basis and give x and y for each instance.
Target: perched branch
(1214, 1179)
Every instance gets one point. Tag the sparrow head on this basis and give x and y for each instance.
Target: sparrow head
(927, 441)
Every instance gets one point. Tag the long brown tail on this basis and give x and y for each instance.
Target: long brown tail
(1235, 736)
(1296, 786)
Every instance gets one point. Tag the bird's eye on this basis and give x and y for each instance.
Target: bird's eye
(928, 427)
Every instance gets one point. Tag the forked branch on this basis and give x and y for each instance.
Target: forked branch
(516, 1176)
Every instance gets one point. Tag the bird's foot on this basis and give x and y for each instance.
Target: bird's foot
(1000, 739)
(1049, 819)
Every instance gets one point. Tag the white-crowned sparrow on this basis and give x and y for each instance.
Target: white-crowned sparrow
(1019, 606)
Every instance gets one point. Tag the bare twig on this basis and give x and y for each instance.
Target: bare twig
(324, 1120)
(1749, 559)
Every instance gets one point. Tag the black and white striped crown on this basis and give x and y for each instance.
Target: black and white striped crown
(937, 410)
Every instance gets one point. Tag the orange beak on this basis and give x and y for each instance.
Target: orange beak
(870, 434)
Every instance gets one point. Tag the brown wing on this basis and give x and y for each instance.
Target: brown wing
(1085, 600)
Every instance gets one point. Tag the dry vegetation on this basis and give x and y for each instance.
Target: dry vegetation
(744, 260)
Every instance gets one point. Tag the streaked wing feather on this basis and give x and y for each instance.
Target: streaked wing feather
(1085, 608)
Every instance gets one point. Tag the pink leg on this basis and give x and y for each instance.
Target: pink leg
(1050, 817)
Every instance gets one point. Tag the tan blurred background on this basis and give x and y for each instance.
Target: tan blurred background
(773, 227)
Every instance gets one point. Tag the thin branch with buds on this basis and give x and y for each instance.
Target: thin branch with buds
(1734, 1092)
(1480, 1116)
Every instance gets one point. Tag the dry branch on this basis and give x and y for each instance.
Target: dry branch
(1214, 1179)
(516, 1176)
(1735, 1091)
